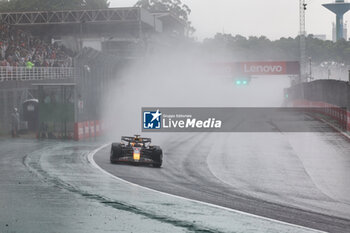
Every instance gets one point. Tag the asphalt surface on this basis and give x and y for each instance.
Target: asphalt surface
(54, 186)
(299, 178)
(49, 187)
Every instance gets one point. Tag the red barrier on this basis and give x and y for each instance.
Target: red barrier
(333, 111)
(86, 129)
(97, 128)
(102, 127)
(92, 129)
(78, 131)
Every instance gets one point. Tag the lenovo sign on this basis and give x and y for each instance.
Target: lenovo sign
(258, 68)
(264, 68)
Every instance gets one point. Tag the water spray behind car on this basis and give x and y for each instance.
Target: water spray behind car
(178, 79)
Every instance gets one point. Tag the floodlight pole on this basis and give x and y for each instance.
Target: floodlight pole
(302, 42)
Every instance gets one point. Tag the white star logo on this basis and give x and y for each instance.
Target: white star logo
(156, 115)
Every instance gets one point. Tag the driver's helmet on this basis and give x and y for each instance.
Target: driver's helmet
(135, 144)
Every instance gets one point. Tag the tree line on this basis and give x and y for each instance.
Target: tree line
(261, 48)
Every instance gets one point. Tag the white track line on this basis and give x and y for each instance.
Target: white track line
(92, 161)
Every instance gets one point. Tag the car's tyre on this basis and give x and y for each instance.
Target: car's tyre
(157, 157)
(116, 152)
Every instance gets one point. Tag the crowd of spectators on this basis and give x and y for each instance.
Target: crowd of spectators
(20, 48)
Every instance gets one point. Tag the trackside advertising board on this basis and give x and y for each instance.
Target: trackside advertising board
(257, 68)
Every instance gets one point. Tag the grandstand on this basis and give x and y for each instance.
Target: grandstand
(113, 29)
(84, 48)
(19, 48)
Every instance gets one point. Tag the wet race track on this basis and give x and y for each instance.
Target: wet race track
(280, 181)
(50, 186)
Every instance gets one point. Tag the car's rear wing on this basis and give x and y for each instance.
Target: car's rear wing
(136, 139)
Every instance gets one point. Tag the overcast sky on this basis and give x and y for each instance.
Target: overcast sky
(271, 18)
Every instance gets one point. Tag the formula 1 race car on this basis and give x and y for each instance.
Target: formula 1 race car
(136, 150)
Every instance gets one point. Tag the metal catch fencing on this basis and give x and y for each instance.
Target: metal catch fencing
(10, 73)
